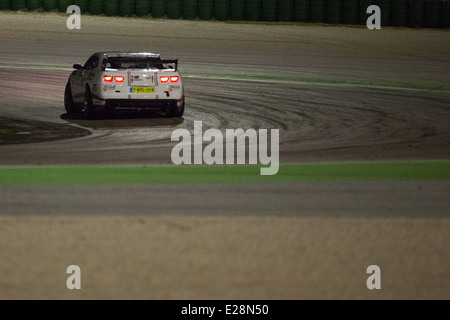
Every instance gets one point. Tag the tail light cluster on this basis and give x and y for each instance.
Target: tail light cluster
(166, 79)
(116, 79)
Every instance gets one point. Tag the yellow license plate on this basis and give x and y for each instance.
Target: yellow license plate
(142, 90)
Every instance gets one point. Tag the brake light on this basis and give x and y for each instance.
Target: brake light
(164, 79)
(119, 79)
(107, 78)
(174, 79)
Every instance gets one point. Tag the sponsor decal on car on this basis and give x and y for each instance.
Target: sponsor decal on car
(107, 87)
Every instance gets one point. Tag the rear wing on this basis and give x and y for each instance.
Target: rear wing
(130, 63)
(170, 64)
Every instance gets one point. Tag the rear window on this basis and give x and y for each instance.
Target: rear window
(133, 63)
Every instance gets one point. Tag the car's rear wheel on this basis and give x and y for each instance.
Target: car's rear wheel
(70, 106)
(89, 107)
(177, 111)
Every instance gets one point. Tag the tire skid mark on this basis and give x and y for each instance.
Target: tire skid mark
(317, 121)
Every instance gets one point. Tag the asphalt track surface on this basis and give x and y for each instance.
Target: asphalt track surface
(335, 94)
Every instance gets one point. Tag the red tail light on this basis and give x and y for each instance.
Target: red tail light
(107, 78)
(174, 79)
(164, 79)
(119, 79)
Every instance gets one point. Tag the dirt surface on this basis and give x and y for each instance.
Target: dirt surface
(335, 94)
(184, 257)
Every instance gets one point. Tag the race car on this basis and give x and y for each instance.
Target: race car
(125, 81)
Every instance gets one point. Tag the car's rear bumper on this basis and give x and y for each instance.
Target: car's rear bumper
(149, 104)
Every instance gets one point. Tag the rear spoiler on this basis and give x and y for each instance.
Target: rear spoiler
(173, 62)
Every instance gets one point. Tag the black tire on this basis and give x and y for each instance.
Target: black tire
(89, 107)
(71, 107)
(177, 111)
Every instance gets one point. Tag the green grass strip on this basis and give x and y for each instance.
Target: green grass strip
(44, 175)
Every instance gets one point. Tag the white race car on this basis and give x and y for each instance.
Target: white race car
(125, 80)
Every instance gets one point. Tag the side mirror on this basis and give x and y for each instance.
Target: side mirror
(77, 66)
